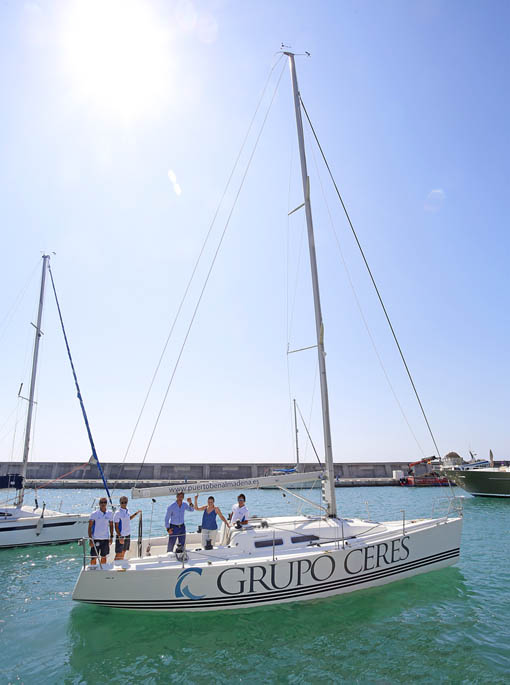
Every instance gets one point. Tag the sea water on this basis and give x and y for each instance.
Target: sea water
(451, 625)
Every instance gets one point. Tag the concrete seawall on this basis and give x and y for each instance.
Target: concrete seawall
(125, 475)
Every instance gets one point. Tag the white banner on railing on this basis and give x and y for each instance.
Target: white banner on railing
(278, 480)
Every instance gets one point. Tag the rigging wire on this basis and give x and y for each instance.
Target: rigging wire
(298, 266)
(7, 420)
(20, 401)
(290, 322)
(13, 445)
(290, 314)
(4, 323)
(312, 402)
(78, 392)
(287, 259)
(197, 262)
(209, 272)
(308, 433)
(360, 309)
(290, 310)
(371, 277)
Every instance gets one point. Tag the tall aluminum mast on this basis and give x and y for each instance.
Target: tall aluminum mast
(329, 484)
(38, 334)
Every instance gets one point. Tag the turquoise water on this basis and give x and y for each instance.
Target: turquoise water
(448, 626)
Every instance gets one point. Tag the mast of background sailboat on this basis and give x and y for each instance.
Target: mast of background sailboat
(329, 484)
(38, 334)
(296, 431)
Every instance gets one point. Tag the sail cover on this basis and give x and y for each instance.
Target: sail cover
(277, 480)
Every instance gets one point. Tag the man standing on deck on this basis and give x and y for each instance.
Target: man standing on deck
(100, 532)
(240, 514)
(174, 521)
(122, 522)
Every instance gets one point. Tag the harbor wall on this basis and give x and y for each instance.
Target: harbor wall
(40, 472)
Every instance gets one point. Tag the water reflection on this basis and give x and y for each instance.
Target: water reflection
(278, 642)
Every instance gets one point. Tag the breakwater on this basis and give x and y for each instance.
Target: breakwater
(63, 475)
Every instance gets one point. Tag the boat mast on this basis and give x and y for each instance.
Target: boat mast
(329, 483)
(38, 334)
(296, 431)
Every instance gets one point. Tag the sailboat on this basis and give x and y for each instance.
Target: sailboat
(275, 559)
(23, 525)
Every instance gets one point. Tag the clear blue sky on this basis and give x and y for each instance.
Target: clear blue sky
(101, 100)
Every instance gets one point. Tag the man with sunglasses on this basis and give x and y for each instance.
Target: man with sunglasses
(240, 515)
(100, 532)
(122, 522)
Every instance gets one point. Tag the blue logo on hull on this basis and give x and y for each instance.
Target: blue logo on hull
(185, 591)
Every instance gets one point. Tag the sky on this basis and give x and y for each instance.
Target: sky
(120, 126)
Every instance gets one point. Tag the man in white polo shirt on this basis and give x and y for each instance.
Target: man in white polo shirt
(100, 532)
(122, 522)
(240, 513)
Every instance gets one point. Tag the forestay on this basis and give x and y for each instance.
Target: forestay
(281, 480)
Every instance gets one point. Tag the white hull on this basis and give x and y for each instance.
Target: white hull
(21, 526)
(242, 576)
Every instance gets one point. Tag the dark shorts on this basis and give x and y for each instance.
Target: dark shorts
(122, 547)
(101, 546)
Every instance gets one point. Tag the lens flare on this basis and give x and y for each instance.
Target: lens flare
(117, 57)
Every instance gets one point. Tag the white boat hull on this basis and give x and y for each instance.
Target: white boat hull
(163, 584)
(25, 526)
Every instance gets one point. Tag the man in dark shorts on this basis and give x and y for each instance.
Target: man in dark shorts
(122, 522)
(100, 532)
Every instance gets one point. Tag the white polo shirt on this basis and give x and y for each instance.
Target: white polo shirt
(123, 518)
(101, 529)
(239, 513)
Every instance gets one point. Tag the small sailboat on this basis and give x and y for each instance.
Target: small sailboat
(21, 524)
(275, 559)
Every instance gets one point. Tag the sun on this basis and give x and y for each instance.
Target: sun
(117, 56)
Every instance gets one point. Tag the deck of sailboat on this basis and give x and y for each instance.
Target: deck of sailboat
(14, 513)
(269, 538)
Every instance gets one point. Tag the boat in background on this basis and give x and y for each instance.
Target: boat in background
(21, 525)
(430, 475)
(482, 478)
(11, 481)
(298, 468)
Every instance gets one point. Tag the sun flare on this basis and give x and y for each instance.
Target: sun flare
(117, 56)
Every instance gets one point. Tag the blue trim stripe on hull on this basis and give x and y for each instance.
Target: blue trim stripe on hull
(34, 525)
(265, 597)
